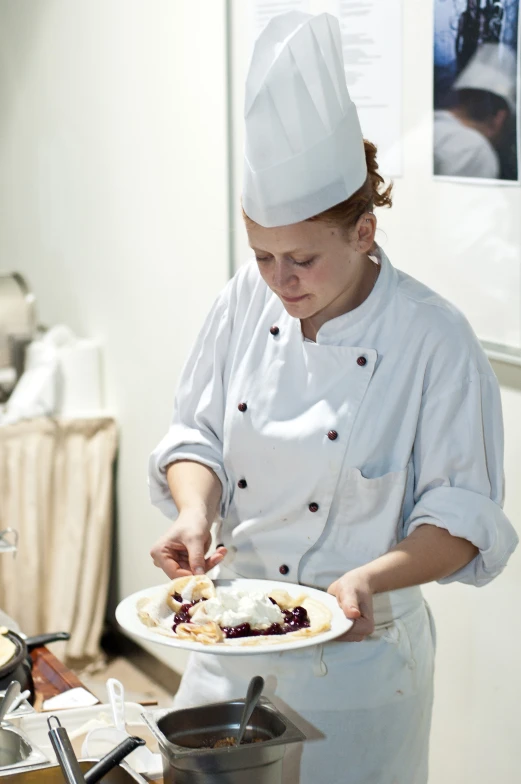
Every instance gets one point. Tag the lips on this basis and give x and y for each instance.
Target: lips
(292, 300)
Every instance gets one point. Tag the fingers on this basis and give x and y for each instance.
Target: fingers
(177, 560)
(366, 609)
(333, 588)
(196, 550)
(360, 629)
(171, 567)
(357, 605)
(171, 557)
(215, 558)
(347, 600)
(355, 634)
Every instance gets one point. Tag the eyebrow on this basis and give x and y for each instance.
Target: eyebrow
(286, 253)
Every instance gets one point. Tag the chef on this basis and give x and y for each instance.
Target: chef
(468, 135)
(340, 421)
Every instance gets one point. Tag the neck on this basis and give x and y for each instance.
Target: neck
(349, 299)
(464, 119)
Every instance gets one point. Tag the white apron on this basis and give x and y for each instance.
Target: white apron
(365, 708)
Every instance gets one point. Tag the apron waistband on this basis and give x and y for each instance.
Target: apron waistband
(392, 605)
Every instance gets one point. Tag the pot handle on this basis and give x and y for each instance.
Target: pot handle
(112, 759)
(43, 639)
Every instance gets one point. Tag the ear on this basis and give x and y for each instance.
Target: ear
(364, 232)
(499, 120)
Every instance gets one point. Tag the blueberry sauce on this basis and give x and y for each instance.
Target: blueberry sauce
(293, 621)
(182, 615)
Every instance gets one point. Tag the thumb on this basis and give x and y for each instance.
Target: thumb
(350, 605)
(195, 549)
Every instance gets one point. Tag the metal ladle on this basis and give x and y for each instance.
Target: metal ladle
(253, 695)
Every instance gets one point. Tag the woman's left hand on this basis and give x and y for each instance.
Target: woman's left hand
(355, 597)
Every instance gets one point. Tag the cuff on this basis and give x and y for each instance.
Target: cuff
(159, 491)
(471, 516)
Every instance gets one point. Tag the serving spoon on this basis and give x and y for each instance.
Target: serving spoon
(253, 695)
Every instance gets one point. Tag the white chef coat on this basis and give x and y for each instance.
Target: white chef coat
(461, 151)
(392, 419)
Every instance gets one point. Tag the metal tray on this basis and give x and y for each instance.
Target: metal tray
(16, 750)
(51, 774)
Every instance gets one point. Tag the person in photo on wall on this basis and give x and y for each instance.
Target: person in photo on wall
(472, 134)
(467, 36)
(493, 14)
(341, 425)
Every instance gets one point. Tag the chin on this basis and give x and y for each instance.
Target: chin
(299, 310)
(302, 309)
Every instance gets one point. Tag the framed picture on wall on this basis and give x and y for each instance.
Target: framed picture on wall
(476, 90)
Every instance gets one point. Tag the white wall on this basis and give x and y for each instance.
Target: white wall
(113, 201)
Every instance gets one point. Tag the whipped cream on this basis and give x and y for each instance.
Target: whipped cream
(232, 608)
(187, 593)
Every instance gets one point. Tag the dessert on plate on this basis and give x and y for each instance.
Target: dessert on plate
(193, 608)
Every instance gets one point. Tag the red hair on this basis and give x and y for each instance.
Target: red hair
(370, 195)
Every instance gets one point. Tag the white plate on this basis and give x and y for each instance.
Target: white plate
(128, 619)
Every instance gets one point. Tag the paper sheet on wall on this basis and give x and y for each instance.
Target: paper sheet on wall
(371, 38)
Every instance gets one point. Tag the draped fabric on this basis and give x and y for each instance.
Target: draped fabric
(56, 490)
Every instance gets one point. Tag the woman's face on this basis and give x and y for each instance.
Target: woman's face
(312, 266)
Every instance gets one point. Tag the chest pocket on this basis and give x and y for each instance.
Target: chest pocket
(368, 513)
(365, 521)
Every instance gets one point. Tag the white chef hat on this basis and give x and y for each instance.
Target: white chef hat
(492, 68)
(304, 149)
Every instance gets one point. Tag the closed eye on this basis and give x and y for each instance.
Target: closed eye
(306, 263)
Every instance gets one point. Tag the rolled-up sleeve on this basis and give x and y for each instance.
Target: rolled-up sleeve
(458, 468)
(196, 431)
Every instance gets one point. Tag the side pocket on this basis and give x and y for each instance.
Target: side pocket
(398, 634)
(414, 636)
(432, 624)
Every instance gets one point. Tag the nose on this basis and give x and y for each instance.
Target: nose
(283, 275)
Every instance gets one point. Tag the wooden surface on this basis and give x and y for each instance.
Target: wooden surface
(50, 676)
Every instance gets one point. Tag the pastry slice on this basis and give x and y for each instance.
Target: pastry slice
(285, 601)
(206, 633)
(190, 589)
(154, 611)
(7, 648)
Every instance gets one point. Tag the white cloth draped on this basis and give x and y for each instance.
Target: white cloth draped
(56, 489)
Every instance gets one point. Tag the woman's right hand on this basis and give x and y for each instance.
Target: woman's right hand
(181, 550)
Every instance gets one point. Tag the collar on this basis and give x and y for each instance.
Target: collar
(339, 328)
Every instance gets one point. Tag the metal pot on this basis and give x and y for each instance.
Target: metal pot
(185, 739)
(19, 667)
